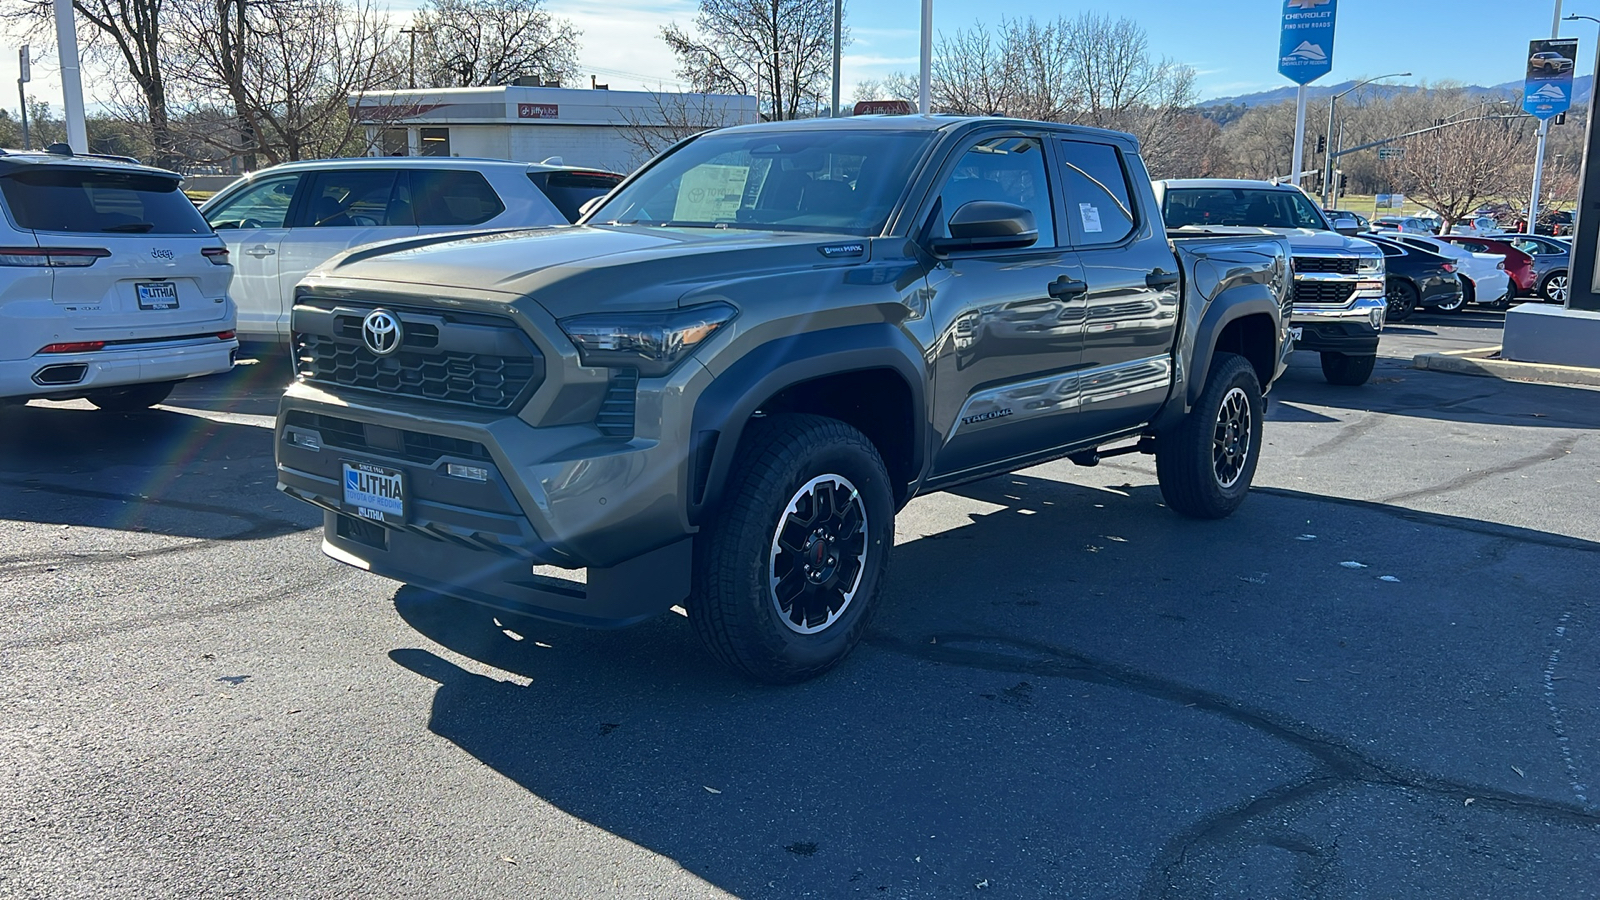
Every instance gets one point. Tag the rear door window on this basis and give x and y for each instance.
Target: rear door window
(355, 198)
(1099, 204)
(80, 200)
(453, 197)
(569, 191)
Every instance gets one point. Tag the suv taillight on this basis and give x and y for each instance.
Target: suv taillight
(217, 255)
(74, 347)
(62, 257)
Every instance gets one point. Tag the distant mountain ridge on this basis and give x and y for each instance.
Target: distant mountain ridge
(1581, 88)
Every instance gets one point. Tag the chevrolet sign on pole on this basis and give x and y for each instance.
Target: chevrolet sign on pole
(1305, 53)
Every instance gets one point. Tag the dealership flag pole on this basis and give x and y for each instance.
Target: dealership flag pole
(71, 81)
(925, 92)
(1538, 153)
(1299, 135)
(1305, 53)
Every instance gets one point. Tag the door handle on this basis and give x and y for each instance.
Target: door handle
(261, 252)
(1160, 280)
(1065, 288)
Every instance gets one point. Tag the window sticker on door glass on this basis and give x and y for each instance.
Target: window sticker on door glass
(711, 193)
(1091, 217)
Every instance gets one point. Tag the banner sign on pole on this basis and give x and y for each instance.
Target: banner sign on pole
(1305, 46)
(1547, 92)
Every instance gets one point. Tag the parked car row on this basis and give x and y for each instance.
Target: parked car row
(114, 287)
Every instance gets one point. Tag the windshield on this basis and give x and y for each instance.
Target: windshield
(834, 182)
(1250, 207)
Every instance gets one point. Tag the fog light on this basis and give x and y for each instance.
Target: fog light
(310, 440)
(471, 473)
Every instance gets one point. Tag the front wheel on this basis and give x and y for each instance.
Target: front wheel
(1402, 299)
(132, 398)
(1554, 289)
(1206, 463)
(1349, 371)
(789, 569)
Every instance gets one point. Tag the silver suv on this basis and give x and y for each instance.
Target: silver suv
(282, 222)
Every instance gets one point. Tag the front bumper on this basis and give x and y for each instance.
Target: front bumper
(65, 376)
(552, 498)
(1351, 329)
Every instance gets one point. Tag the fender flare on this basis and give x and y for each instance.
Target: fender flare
(723, 409)
(1230, 305)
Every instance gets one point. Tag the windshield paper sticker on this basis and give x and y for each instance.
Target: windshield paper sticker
(1091, 217)
(711, 194)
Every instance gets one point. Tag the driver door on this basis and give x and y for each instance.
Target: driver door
(252, 223)
(343, 208)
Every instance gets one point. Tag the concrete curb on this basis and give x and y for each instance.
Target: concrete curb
(1478, 362)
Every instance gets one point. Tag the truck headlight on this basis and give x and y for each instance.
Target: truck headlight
(653, 342)
(1370, 266)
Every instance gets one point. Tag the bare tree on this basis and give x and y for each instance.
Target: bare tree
(1454, 170)
(668, 119)
(485, 42)
(134, 34)
(779, 51)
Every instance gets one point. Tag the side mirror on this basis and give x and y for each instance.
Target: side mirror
(1347, 226)
(989, 225)
(590, 205)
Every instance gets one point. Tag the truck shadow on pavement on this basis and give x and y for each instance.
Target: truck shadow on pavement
(1403, 391)
(156, 471)
(1076, 693)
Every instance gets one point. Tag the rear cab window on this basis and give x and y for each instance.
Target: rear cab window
(569, 191)
(1100, 208)
(82, 200)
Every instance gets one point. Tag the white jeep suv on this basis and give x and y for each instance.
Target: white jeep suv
(112, 286)
(282, 222)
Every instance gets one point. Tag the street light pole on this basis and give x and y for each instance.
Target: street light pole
(925, 91)
(1327, 176)
(412, 33)
(71, 79)
(838, 39)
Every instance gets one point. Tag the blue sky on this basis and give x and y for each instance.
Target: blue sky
(1232, 44)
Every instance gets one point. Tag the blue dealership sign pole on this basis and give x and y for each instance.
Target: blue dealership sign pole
(1305, 53)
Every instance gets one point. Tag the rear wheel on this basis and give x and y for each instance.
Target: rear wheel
(1554, 288)
(132, 398)
(1459, 303)
(1206, 463)
(789, 570)
(1346, 370)
(1402, 299)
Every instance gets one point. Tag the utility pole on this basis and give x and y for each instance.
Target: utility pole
(25, 75)
(925, 91)
(71, 79)
(412, 33)
(838, 46)
(1544, 132)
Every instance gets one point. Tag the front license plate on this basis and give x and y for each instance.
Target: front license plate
(157, 295)
(1295, 333)
(374, 492)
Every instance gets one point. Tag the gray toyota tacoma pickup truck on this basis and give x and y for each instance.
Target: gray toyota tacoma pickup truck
(718, 388)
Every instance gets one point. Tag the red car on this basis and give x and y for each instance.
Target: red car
(1519, 265)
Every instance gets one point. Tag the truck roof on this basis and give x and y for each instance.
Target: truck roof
(1247, 183)
(935, 122)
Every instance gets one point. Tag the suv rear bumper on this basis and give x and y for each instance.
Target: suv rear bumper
(70, 375)
(549, 499)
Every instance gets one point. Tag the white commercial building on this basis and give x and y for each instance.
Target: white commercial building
(601, 128)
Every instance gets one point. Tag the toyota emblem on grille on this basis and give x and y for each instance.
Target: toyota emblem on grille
(380, 330)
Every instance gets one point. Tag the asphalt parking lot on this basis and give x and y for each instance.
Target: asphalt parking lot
(1378, 679)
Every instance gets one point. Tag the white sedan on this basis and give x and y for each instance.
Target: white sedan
(1483, 275)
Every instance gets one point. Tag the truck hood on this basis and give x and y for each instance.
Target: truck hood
(576, 269)
(1301, 240)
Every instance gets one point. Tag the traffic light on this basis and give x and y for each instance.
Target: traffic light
(1322, 143)
(1560, 119)
(1343, 180)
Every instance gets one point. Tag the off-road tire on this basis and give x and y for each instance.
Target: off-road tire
(1190, 457)
(132, 398)
(1346, 370)
(734, 607)
(1402, 299)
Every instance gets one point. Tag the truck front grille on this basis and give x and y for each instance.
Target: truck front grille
(1325, 264)
(1323, 293)
(468, 360)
